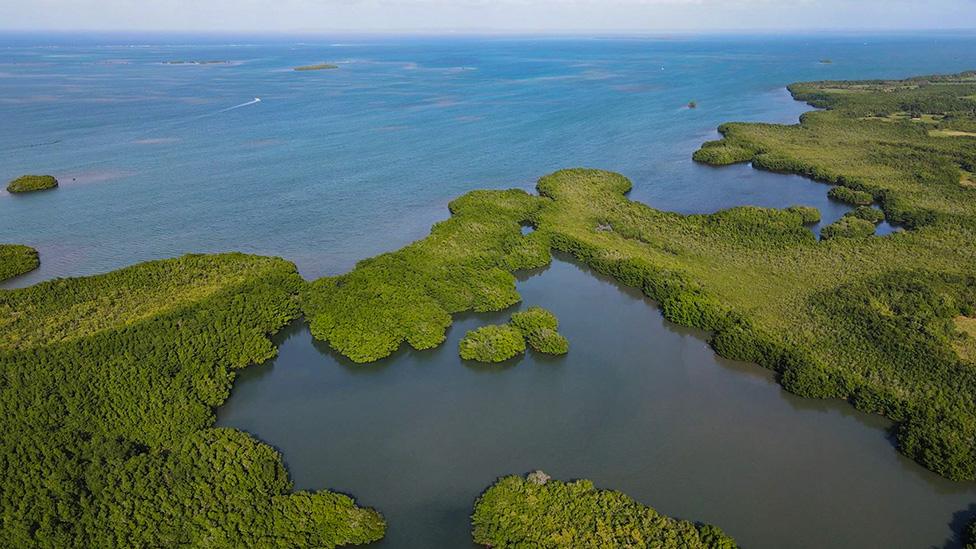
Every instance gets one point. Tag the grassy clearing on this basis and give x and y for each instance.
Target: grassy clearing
(966, 346)
(967, 179)
(951, 133)
(107, 390)
(539, 512)
(16, 260)
(867, 319)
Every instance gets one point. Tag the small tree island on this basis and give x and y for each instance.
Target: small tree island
(539, 512)
(31, 183)
(498, 343)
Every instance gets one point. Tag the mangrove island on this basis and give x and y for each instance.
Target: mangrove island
(537, 511)
(31, 183)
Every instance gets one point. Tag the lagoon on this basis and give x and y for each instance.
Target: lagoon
(638, 405)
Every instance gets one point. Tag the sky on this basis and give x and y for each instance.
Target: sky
(485, 15)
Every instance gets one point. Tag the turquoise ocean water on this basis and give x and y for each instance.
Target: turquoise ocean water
(334, 166)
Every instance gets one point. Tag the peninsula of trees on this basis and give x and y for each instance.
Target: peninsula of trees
(30, 183)
(874, 320)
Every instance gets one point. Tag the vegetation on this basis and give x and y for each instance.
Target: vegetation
(538, 512)
(107, 390)
(540, 328)
(951, 133)
(808, 214)
(848, 226)
(319, 67)
(870, 320)
(409, 295)
(692, 104)
(856, 198)
(492, 344)
(867, 213)
(16, 260)
(30, 183)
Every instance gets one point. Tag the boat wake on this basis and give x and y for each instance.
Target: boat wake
(251, 102)
(185, 121)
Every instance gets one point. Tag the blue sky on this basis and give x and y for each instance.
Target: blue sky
(485, 15)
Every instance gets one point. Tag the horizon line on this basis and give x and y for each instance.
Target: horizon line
(494, 31)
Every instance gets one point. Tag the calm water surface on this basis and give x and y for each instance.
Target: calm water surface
(638, 405)
(334, 166)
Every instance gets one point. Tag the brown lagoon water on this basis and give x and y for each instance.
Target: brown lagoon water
(638, 405)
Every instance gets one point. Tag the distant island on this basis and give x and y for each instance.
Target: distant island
(826, 62)
(193, 62)
(319, 67)
(31, 183)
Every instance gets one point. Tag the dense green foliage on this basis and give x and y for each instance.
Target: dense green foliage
(409, 295)
(848, 226)
(851, 196)
(771, 293)
(28, 183)
(16, 260)
(808, 214)
(537, 512)
(867, 213)
(870, 320)
(492, 344)
(495, 343)
(540, 328)
(107, 390)
(720, 153)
